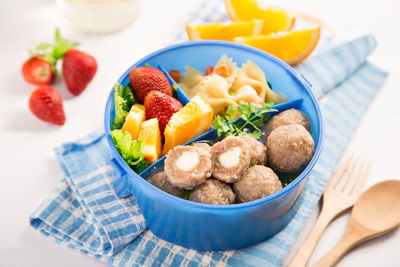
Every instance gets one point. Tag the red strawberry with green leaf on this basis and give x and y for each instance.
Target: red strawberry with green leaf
(161, 106)
(146, 79)
(79, 69)
(46, 103)
(40, 68)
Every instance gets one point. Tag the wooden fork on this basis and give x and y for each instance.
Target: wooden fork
(342, 191)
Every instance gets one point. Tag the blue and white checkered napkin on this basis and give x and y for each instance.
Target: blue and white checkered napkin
(84, 213)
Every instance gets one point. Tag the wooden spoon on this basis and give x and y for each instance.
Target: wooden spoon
(375, 213)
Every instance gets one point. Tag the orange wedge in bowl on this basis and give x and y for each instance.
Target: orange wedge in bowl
(133, 120)
(224, 30)
(189, 122)
(291, 46)
(151, 136)
(275, 19)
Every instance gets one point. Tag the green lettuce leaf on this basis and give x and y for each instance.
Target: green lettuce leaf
(130, 150)
(123, 101)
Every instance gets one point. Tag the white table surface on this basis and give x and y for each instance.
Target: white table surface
(29, 169)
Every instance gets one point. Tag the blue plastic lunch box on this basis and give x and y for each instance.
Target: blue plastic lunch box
(217, 227)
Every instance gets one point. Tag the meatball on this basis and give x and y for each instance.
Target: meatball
(160, 181)
(258, 182)
(289, 148)
(187, 166)
(213, 191)
(287, 117)
(258, 151)
(230, 159)
(202, 145)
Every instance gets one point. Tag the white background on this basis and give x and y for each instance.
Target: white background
(28, 167)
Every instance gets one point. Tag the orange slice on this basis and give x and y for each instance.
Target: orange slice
(275, 19)
(133, 120)
(224, 30)
(291, 46)
(151, 136)
(190, 121)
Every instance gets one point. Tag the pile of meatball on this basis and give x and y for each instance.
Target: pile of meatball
(239, 169)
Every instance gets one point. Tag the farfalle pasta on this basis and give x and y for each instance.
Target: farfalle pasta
(214, 89)
(229, 84)
(191, 81)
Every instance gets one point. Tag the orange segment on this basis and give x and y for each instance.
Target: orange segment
(224, 30)
(292, 47)
(151, 136)
(190, 121)
(133, 120)
(275, 19)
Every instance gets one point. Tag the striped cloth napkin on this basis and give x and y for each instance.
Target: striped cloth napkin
(85, 214)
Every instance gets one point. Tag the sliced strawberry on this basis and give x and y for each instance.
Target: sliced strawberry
(161, 106)
(146, 79)
(37, 71)
(79, 69)
(46, 103)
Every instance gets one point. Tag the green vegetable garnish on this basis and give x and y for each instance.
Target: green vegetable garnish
(123, 101)
(53, 52)
(231, 93)
(186, 195)
(130, 150)
(250, 116)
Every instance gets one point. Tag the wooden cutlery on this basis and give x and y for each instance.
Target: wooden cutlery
(342, 191)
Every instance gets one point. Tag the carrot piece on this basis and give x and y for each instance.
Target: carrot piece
(175, 74)
(209, 70)
(222, 70)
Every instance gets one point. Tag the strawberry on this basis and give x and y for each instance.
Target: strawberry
(38, 71)
(161, 106)
(146, 79)
(79, 69)
(40, 68)
(45, 103)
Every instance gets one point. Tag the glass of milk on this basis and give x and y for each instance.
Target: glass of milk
(99, 16)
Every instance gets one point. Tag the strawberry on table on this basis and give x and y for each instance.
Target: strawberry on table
(146, 79)
(161, 106)
(79, 69)
(38, 71)
(40, 68)
(46, 103)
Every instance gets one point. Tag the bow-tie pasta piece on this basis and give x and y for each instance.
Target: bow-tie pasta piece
(214, 90)
(191, 81)
(249, 95)
(251, 74)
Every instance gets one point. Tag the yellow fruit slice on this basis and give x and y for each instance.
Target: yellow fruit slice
(133, 120)
(151, 135)
(275, 19)
(190, 121)
(224, 30)
(292, 46)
